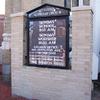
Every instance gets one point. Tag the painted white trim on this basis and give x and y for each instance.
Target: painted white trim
(18, 14)
(81, 8)
(95, 67)
(80, 3)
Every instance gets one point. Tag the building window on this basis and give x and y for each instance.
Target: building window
(75, 3)
(67, 3)
(86, 2)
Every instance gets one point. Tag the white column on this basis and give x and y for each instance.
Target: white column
(92, 3)
(6, 41)
(80, 3)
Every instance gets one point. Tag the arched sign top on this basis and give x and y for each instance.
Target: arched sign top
(48, 10)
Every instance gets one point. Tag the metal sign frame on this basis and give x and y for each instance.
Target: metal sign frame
(66, 17)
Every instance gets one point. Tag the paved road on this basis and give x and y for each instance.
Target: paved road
(5, 92)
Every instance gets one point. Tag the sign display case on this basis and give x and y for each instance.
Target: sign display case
(48, 37)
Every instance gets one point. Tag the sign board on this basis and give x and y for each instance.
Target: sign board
(48, 42)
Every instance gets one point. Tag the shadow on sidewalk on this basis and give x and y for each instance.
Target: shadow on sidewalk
(96, 91)
(5, 91)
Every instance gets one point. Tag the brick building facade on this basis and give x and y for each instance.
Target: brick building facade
(2, 17)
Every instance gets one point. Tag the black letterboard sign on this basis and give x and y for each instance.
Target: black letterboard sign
(48, 37)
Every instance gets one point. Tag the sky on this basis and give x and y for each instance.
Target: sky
(2, 6)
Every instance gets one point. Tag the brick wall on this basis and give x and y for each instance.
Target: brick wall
(2, 17)
(56, 2)
(8, 11)
(30, 4)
